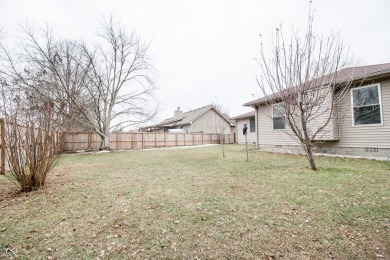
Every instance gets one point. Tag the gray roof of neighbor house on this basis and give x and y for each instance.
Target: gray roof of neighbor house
(246, 115)
(190, 116)
(345, 75)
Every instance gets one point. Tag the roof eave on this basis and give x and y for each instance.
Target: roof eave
(250, 104)
(381, 75)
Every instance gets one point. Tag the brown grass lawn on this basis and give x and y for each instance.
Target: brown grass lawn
(194, 204)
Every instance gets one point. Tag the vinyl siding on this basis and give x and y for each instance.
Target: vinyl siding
(321, 115)
(210, 122)
(365, 135)
(251, 136)
(266, 133)
(373, 136)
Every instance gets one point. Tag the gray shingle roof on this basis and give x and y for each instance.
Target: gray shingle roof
(246, 115)
(190, 116)
(343, 76)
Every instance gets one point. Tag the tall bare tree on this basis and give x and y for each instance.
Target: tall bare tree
(119, 81)
(299, 80)
(46, 68)
(103, 87)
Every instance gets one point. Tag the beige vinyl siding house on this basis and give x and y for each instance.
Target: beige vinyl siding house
(210, 122)
(323, 112)
(368, 138)
(205, 119)
(266, 134)
(250, 120)
(354, 129)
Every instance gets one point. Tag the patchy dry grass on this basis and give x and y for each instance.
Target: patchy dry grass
(189, 203)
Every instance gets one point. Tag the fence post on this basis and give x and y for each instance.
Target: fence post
(193, 140)
(142, 146)
(2, 129)
(116, 141)
(155, 140)
(89, 140)
(176, 138)
(202, 138)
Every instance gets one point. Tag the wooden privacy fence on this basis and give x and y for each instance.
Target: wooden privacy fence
(18, 143)
(75, 141)
(134, 141)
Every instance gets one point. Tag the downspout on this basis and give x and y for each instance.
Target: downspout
(338, 121)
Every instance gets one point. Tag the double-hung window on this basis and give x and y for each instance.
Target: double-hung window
(278, 117)
(252, 124)
(366, 105)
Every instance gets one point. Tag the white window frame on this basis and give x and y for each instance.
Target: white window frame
(380, 105)
(280, 129)
(254, 120)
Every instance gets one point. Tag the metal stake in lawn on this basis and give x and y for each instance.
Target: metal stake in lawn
(244, 131)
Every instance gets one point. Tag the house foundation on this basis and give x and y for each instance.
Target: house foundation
(365, 152)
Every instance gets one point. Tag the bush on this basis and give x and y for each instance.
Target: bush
(32, 147)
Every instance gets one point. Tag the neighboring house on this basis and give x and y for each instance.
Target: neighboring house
(360, 127)
(250, 120)
(206, 119)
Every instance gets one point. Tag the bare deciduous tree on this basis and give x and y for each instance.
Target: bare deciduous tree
(217, 124)
(46, 68)
(119, 82)
(301, 76)
(102, 87)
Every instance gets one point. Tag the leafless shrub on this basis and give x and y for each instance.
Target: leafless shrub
(32, 142)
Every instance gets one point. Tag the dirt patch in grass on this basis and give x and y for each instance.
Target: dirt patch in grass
(192, 203)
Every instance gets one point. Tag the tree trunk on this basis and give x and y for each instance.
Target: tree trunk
(222, 143)
(105, 143)
(306, 142)
(310, 157)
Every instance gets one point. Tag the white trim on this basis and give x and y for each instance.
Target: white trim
(380, 105)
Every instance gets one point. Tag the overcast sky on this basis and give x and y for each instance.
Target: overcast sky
(204, 50)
